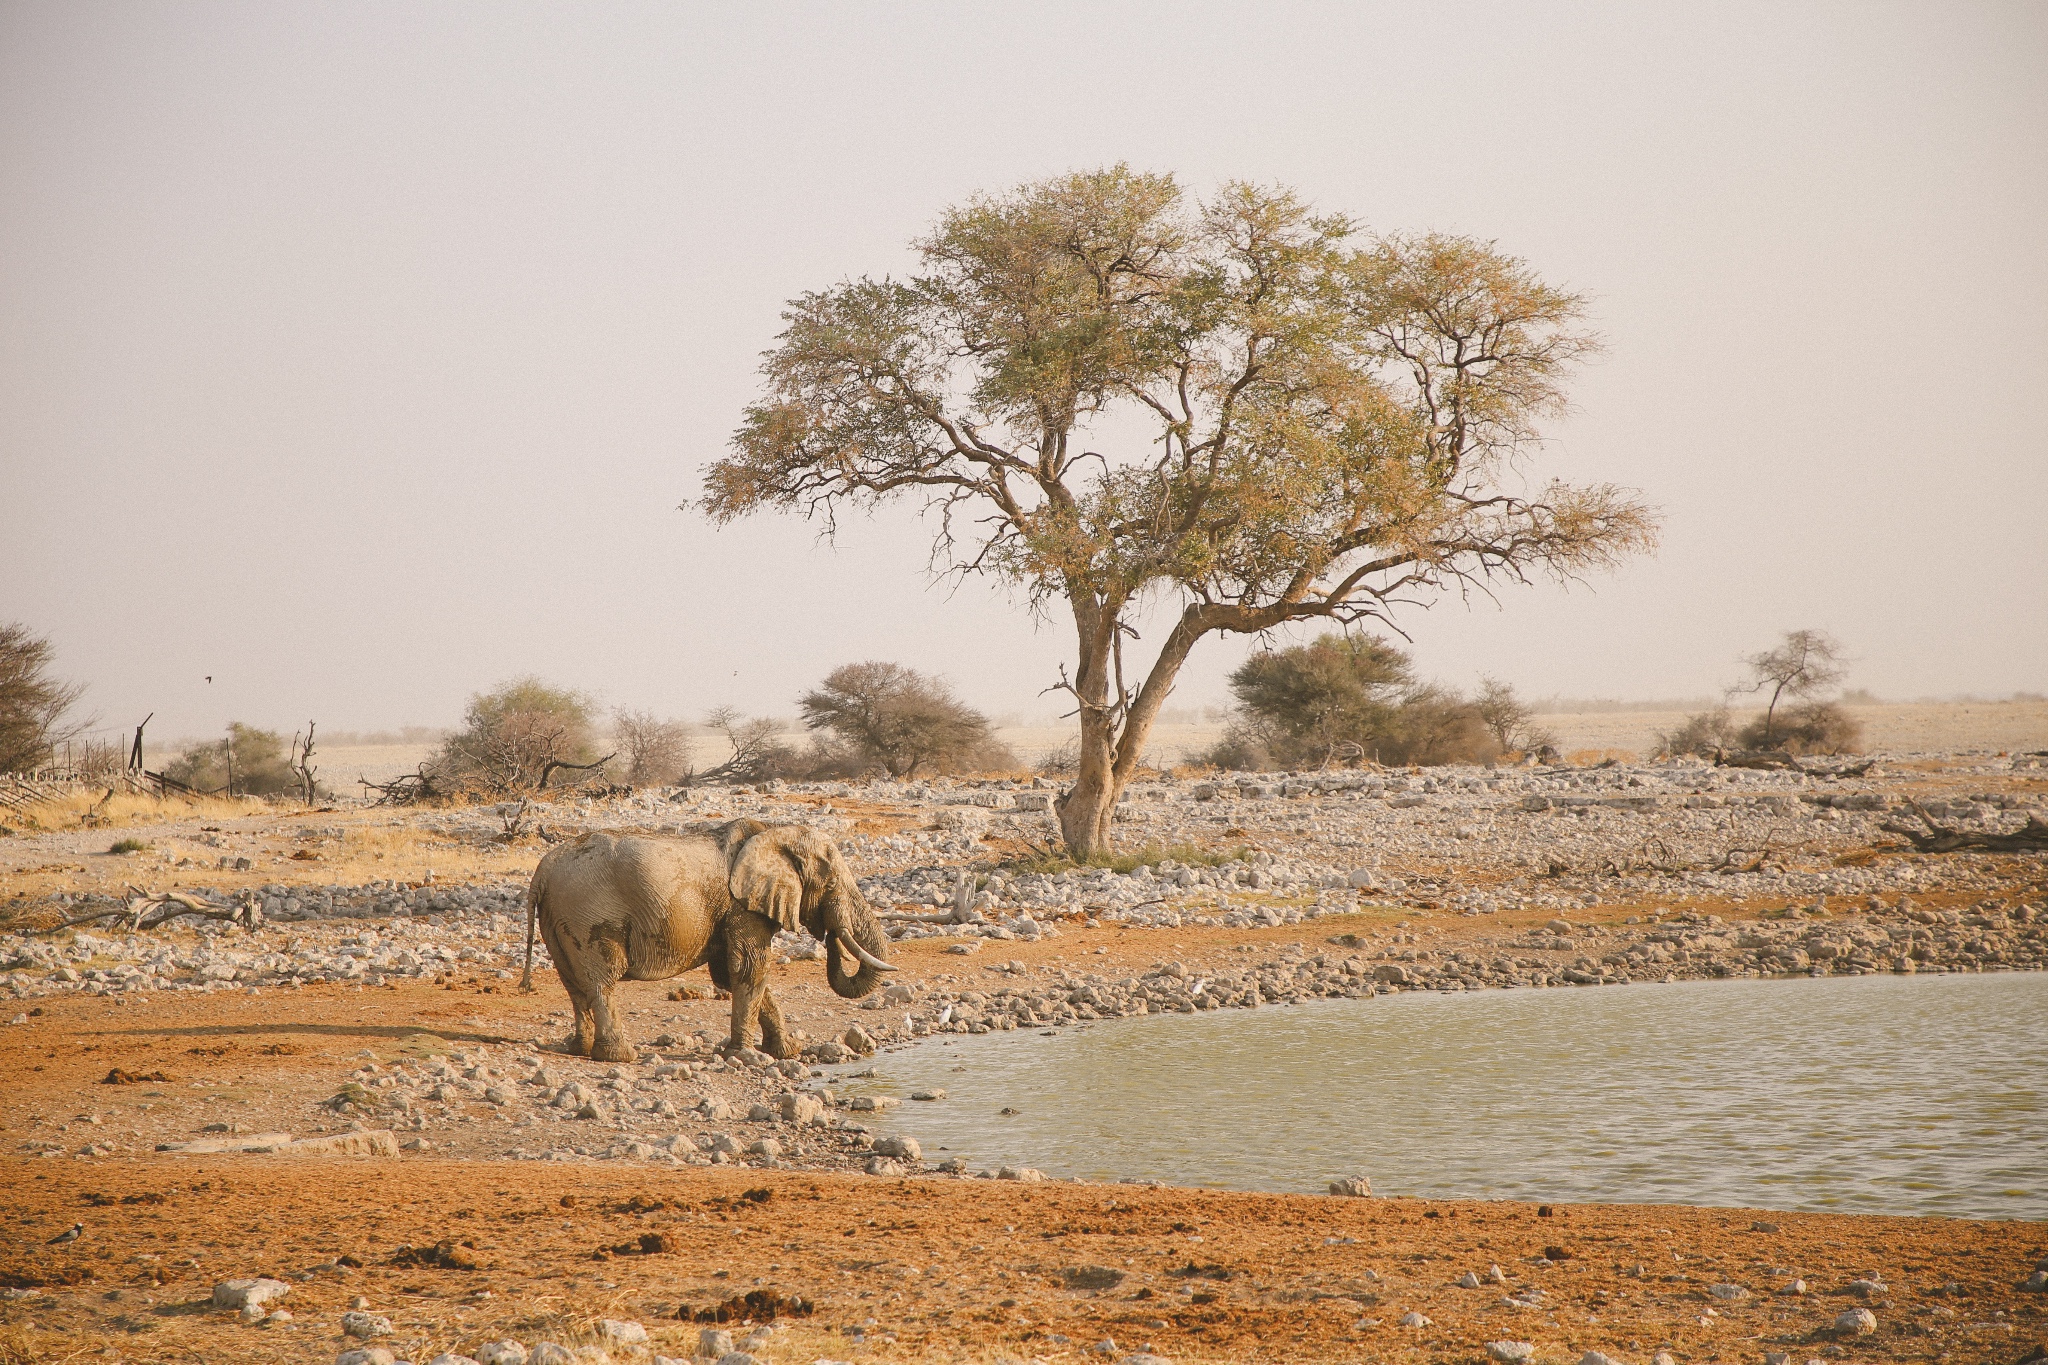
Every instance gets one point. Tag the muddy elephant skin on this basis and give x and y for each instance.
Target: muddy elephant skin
(642, 908)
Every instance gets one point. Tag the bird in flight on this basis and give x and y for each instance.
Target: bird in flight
(70, 1234)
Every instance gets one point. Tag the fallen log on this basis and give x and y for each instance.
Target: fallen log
(153, 910)
(2031, 837)
(1770, 760)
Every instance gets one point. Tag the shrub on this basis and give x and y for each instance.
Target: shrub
(1702, 733)
(1809, 727)
(32, 703)
(126, 846)
(1345, 699)
(656, 752)
(513, 740)
(248, 762)
(886, 716)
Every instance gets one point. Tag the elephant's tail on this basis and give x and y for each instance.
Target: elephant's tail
(533, 893)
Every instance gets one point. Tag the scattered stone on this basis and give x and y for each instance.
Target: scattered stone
(905, 1147)
(1511, 1352)
(1468, 1281)
(366, 1355)
(507, 1352)
(365, 1326)
(1857, 1322)
(1411, 1318)
(1728, 1293)
(551, 1353)
(1597, 1358)
(1352, 1187)
(1027, 1174)
(881, 1165)
(449, 1358)
(1869, 1289)
(927, 1094)
(248, 1293)
(622, 1333)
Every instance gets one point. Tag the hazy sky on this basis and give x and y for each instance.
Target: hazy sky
(358, 355)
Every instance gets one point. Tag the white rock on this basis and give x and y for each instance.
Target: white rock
(447, 1358)
(1597, 1358)
(906, 1147)
(507, 1352)
(551, 1353)
(1728, 1293)
(881, 1165)
(738, 1358)
(248, 1293)
(714, 1342)
(1352, 1187)
(1511, 1352)
(366, 1355)
(1411, 1318)
(1857, 1322)
(1468, 1281)
(622, 1333)
(366, 1326)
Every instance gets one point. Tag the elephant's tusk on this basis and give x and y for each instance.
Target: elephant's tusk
(864, 955)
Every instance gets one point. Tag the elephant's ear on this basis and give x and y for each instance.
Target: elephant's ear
(764, 881)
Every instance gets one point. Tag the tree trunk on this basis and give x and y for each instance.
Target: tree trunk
(1113, 741)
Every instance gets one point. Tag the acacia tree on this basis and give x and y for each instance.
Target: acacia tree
(32, 703)
(902, 720)
(1805, 662)
(1111, 394)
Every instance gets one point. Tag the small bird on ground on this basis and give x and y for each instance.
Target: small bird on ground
(70, 1234)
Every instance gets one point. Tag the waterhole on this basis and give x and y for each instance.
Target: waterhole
(1911, 1095)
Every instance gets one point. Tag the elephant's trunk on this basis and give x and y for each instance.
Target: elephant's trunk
(848, 918)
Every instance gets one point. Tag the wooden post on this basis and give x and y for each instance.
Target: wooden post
(231, 760)
(135, 755)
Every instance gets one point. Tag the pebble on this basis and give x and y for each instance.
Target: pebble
(622, 1333)
(1857, 1322)
(1411, 1318)
(714, 1342)
(1468, 1281)
(366, 1355)
(1352, 1187)
(1511, 1352)
(1597, 1358)
(506, 1352)
(449, 1358)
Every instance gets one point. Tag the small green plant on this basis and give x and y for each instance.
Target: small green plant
(124, 846)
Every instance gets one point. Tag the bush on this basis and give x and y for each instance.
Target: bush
(1702, 733)
(886, 716)
(32, 703)
(1809, 727)
(249, 762)
(514, 739)
(656, 752)
(1345, 699)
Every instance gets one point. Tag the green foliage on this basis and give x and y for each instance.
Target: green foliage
(32, 703)
(887, 716)
(125, 846)
(1345, 700)
(516, 737)
(248, 762)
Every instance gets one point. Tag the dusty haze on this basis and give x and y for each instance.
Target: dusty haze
(359, 357)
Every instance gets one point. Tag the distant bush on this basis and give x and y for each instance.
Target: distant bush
(248, 762)
(888, 717)
(655, 752)
(1702, 733)
(514, 739)
(1808, 727)
(1346, 700)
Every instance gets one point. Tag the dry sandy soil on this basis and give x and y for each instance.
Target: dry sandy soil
(920, 1268)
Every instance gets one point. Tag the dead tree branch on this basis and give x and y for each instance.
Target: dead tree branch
(2031, 837)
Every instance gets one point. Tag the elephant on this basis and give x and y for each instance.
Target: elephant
(641, 908)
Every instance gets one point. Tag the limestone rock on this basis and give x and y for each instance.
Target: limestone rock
(248, 1293)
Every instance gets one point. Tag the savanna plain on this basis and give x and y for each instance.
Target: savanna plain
(334, 1122)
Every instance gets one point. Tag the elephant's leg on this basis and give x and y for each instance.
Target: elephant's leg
(599, 966)
(775, 1041)
(747, 937)
(568, 968)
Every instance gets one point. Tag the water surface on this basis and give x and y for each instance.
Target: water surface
(1918, 1095)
